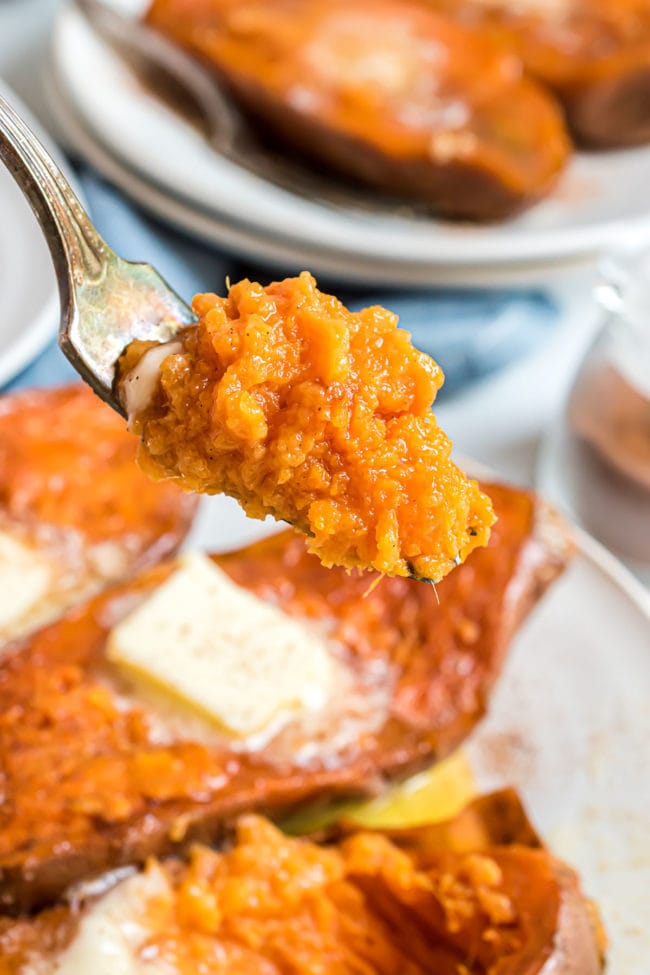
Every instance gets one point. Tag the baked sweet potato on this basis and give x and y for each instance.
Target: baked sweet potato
(593, 54)
(75, 512)
(94, 776)
(457, 897)
(388, 92)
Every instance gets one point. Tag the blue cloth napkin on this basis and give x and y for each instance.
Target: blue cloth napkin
(470, 333)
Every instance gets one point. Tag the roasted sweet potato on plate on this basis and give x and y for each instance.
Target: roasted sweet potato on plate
(593, 54)
(113, 749)
(464, 896)
(386, 91)
(75, 512)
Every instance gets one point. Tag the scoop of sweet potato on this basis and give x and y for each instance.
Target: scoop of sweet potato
(385, 91)
(319, 416)
(370, 904)
(88, 784)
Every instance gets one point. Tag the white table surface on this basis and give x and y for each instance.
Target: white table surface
(498, 421)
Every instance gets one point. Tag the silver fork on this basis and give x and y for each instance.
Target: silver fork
(106, 302)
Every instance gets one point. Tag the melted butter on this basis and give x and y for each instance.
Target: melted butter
(305, 702)
(356, 51)
(356, 708)
(229, 656)
(25, 579)
(377, 61)
(139, 386)
(112, 931)
(43, 570)
(541, 8)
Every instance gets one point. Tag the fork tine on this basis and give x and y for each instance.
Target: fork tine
(105, 300)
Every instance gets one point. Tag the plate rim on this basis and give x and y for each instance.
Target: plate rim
(607, 561)
(276, 252)
(559, 245)
(41, 328)
(612, 567)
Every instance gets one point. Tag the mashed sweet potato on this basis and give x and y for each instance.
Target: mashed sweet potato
(285, 905)
(321, 417)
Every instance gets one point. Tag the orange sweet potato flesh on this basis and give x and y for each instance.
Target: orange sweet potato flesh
(70, 489)
(385, 91)
(88, 785)
(369, 905)
(593, 54)
(321, 417)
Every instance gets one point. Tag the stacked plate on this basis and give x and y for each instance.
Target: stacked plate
(29, 303)
(165, 164)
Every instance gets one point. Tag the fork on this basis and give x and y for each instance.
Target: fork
(106, 302)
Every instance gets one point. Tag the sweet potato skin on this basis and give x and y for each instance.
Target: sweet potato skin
(564, 935)
(603, 82)
(611, 110)
(482, 144)
(85, 788)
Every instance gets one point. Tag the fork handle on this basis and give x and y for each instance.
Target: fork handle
(78, 252)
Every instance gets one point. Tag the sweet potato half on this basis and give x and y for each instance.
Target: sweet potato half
(93, 777)
(477, 895)
(593, 54)
(72, 496)
(385, 91)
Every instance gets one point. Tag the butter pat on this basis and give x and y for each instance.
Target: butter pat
(113, 931)
(25, 579)
(230, 656)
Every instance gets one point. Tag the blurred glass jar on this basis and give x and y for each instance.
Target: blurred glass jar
(608, 416)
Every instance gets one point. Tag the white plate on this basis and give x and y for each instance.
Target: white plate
(29, 303)
(283, 255)
(601, 196)
(569, 726)
(595, 497)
